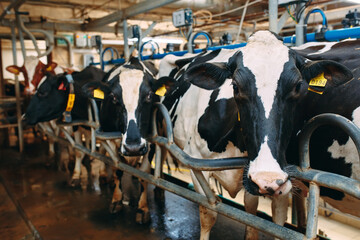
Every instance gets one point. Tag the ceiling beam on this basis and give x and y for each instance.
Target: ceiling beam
(129, 12)
(14, 4)
(65, 27)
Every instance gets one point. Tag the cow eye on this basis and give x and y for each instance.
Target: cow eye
(298, 87)
(236, 88)
(149, 97)
(113, 98)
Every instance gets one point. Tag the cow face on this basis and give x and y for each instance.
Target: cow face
(129, 94)
(268, 80)
(49, 101)
(34, 71)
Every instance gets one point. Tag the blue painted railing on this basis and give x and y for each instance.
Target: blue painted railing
(331, 35)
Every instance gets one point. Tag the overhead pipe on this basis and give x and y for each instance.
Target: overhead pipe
(299, 29)
(21, 36)
(49, 38)
(14, 4)
(330, 35)
(68, 43)
(273, 15)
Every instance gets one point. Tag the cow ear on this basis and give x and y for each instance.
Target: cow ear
(96, 90)
(208, 75)
(325, 72)
(163, 86)
(14, 69)
(51, 67)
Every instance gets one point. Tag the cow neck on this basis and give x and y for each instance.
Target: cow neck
(71, 99)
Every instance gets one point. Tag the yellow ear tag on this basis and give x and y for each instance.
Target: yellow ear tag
(313, 90)
(98, 94)
(161, 91)
(238, 116)
(318, 81)
(48, 69)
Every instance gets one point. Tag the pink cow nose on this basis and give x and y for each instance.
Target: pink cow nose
(269, 182)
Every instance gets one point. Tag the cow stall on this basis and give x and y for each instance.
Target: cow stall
(302, 228)
(314, 177)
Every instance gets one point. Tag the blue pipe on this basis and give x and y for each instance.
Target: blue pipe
(331, 35)
(177, 53)
(315, 10)
(112, 56)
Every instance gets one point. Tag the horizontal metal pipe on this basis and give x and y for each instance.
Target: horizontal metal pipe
(326, 179)
(198, 163)
(331, 35)
(224, 209)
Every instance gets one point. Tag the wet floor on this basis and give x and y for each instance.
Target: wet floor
(57, 211)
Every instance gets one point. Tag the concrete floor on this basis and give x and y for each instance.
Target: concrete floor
(58, 211)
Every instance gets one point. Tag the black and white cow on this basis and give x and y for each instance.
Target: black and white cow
(51, 100)
(274, 99)
(126, 106)
(205, 122)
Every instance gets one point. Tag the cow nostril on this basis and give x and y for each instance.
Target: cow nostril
(270, 191)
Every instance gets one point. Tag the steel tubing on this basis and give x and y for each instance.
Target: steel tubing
(327, 118)
(226, 210)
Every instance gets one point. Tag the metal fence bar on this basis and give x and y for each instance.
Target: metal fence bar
(231, 212)
(313, 211)
(326, 179)
(327, 118)
(316, 177)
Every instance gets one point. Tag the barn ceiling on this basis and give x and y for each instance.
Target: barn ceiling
(106, 16)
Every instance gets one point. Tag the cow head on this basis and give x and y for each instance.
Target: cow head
(49, 101)
(127, 99)
(34, 71)
(269, 80)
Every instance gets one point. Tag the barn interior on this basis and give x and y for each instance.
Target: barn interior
(37, 200)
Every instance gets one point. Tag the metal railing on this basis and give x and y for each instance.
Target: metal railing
(315, 177)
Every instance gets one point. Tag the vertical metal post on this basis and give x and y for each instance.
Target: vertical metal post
(126, 43)
(273, 15)
(313, 211)
(17, 91)
(299, 29)
(21, 37)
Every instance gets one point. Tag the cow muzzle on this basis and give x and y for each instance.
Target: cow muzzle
(271, 183)
(134, 149)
